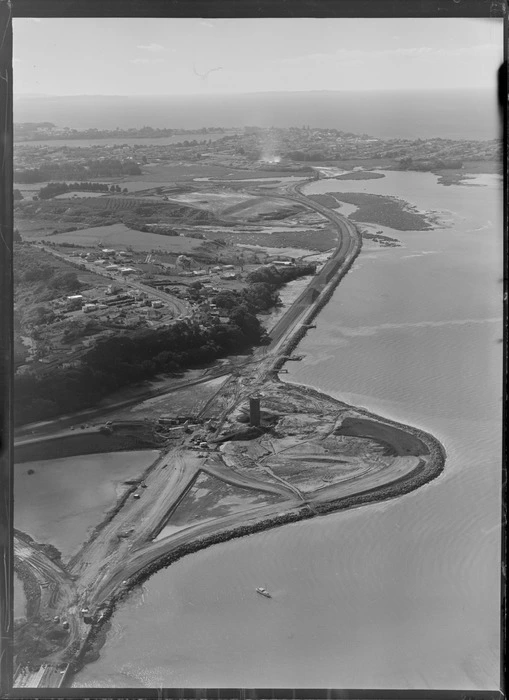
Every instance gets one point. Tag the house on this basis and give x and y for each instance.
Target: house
(74, 302)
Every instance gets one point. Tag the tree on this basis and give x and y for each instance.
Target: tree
(42, 315)
(53, 189)
(247, 322)
(37, 273)
(405, 163)
(66, 281)
(226, 299)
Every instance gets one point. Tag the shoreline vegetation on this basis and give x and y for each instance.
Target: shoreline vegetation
(360, 175)
(448, 177)
(384, 210)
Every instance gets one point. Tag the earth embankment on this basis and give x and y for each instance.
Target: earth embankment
(402, 442)
(81, 443)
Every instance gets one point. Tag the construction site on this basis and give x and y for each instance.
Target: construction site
(257, 453)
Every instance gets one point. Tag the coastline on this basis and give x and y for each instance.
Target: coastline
(423, 473)
(293, 329)
(386, 352)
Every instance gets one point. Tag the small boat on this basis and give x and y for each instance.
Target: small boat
(263, 591)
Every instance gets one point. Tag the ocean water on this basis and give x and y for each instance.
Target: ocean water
(457, 114)
(403, 594)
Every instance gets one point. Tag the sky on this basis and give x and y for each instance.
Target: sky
(135, 56)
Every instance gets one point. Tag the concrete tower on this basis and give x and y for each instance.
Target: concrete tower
(254, 410)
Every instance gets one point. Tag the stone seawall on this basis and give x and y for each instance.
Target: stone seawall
(340, 269)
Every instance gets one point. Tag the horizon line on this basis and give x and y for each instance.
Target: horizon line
(32, 95)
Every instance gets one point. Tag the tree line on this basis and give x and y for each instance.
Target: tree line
(53, 189)
(127, 358)
(109, 167)
(426, 164)
(300, 156)
(277, 276)
(115, 363)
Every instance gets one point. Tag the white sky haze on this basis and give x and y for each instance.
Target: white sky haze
(133, 56)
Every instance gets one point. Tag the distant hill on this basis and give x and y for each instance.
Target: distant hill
(390, 114)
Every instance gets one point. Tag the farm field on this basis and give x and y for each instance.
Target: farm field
(312, 240)
(237, 205)
(77, 194)
(213, 201)
(265, 208)
(157, 174)
(120, 235)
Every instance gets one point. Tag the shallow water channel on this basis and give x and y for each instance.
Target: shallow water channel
(63, 499)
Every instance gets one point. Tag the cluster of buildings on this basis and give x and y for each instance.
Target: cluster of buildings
(248, 148)
(114, 297)
(111, 260)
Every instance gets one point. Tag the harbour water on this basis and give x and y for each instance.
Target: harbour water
(57, 501)
(20, 602)
(401, 594)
